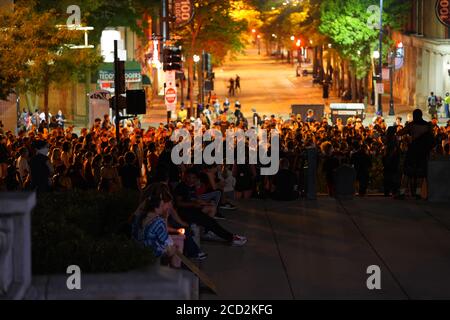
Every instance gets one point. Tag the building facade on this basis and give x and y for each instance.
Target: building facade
(427, 56)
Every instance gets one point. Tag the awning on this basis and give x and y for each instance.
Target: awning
(132, 72)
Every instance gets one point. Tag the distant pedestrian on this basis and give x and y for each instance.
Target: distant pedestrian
(60, 119)
(447, 104)
(432, 105)
(231, 89)
(238, 83)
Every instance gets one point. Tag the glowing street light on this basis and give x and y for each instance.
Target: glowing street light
(376, 54)
(292, 38)
(196, 58)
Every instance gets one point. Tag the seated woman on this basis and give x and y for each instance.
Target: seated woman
(149, 227)
(174, 222)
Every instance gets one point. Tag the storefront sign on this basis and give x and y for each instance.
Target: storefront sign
(108, 76)
(443, 12)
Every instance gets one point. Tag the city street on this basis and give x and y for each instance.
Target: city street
(322, 249)
(271, 87)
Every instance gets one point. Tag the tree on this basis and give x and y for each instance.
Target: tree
(35, 53)
(104, 13)
(214, 30)
(345, 23)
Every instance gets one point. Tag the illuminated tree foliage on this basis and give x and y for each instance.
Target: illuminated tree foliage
(35, 53)
(215, 29)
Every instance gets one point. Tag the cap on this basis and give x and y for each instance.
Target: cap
(254, 110)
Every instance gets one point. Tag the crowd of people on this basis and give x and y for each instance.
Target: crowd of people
(175, 197)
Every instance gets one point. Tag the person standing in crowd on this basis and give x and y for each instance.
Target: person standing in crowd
(41, 170)
(391, 164)
(23, 166)
(106, 124)
(257, 121)
(422, 142)
(4, 156)
(130, 173)
(182, 114)
(109, 176)
(362, 163)
(60, 119)
(447, 105)
(432, 106)
(285, 183)
(330, 164)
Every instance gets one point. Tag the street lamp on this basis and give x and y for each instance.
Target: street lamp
(196, 61)
(380, 79)
(259, 44)
(376, 54)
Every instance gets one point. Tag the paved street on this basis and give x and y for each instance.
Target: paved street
(271, 87)
(321, 250)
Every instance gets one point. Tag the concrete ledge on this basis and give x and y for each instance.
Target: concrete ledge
(155, 283)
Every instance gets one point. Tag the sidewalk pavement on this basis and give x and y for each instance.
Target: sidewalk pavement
(322, 249)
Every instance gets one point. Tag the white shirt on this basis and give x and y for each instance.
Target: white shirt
(23, 167)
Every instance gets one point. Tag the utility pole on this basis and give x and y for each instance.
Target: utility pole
(380, 79)
(116, 90)
(391, 80)
(165, 35)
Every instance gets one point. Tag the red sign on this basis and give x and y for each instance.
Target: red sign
(443, 12)
(182, 11)
(171, 96)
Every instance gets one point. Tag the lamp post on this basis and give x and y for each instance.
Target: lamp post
(391, 82)
(380, 76)
(259, 44)
(376, 56)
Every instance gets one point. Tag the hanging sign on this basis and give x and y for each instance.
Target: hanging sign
(182, 12)
(443, 12)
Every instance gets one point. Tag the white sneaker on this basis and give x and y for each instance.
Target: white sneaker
(238, 241)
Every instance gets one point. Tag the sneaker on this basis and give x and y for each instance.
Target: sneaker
(200, 256)
(238, 241)
(228, 206)
(219, 216)
(210, 236)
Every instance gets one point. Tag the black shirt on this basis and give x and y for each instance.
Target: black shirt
(129, 174)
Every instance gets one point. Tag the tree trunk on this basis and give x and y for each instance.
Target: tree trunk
(354, 85)
(315, 62)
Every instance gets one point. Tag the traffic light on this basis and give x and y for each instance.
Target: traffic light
(207, 63)
(172, 59)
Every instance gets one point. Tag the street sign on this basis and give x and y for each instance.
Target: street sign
(385, 73)
(380, 88)
(171, 91)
